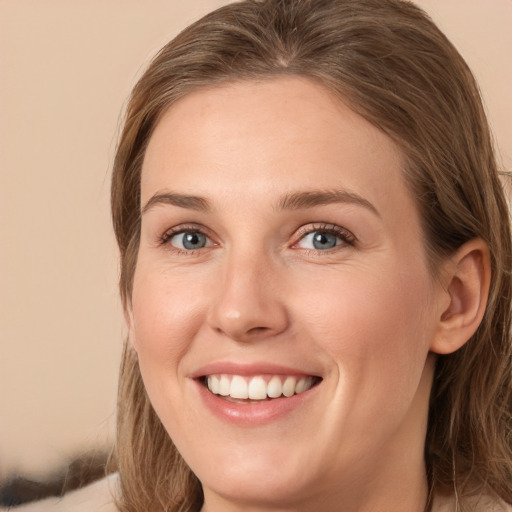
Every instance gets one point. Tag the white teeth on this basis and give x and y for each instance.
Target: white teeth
(239, 388)
(289, 386)
(275, 388)
(224, 385)
(257, 387)
(213, 384)
(300, 386)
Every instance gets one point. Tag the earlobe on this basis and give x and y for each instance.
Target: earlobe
(466, 276)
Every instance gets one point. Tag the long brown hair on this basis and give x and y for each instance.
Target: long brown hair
(389, 62)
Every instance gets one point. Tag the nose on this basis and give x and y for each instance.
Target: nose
(249, 303)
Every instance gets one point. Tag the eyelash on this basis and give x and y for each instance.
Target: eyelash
(346, 237)
(165, 239)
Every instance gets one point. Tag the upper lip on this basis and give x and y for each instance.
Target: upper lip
(247, 369)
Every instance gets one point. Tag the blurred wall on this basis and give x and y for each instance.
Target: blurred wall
(66, 69)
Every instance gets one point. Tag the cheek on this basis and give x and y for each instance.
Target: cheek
(167, 313)
(374, 324)
(167, 316)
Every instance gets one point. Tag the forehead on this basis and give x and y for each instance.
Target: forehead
(266, 137)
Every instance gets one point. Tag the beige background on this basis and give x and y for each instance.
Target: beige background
(66, 68)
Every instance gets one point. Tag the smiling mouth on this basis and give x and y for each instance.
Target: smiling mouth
(258, 388)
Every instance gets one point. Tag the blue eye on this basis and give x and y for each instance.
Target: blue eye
(189, 240)
(319, 240)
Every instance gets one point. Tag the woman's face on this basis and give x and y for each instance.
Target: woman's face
(281, 252)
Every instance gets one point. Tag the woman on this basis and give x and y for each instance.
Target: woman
(315, 269)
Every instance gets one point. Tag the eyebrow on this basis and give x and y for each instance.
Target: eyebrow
(310, 199)
(180, 200)
(294, 201)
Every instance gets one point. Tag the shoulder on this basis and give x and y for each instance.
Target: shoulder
(96, 497)
(475, 504)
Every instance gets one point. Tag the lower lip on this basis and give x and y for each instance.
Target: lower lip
(253, 413)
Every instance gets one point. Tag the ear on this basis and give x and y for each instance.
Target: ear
(466, 277)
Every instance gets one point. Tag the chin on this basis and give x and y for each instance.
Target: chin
(254, 486)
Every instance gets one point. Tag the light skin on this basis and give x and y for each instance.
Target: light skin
(270, 165)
